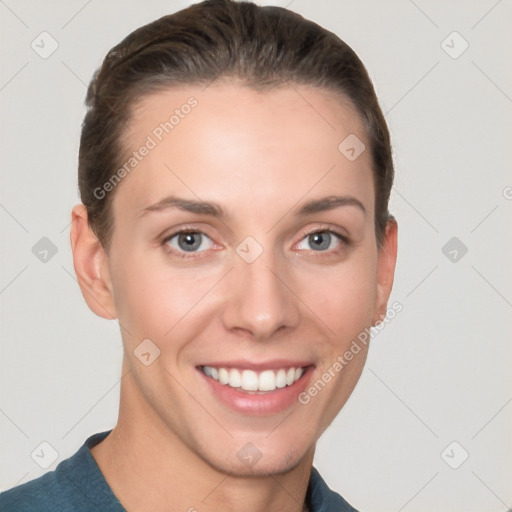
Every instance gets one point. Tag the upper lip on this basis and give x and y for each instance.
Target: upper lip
(274, 364)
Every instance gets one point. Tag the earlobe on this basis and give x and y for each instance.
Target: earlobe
(91, 265)
(386, 270)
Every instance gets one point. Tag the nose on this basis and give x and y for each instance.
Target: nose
(260, 300)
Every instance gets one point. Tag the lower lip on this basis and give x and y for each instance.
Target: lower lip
(259, 403)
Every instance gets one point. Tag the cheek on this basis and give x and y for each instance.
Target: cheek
(151, 299)
(342, 297)
(138, 302)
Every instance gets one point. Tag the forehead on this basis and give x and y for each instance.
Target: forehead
(239, 145)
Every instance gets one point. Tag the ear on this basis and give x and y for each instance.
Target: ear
(91, 265)
(385, 270)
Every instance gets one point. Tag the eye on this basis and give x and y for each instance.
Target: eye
(189, 241)
(321, 241)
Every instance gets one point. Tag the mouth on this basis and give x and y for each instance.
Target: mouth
(251, 380)
(257, 389)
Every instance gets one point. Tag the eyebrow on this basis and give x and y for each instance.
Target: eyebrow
(215, 210)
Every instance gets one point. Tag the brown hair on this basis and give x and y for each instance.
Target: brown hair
(263, 46)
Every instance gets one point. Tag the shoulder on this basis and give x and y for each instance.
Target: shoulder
(76, 485)
(322, 499)
(42, 494)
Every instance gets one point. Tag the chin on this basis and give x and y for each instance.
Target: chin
(250, 461)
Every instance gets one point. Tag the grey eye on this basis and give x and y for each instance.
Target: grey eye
(320, 241)
(191, 241)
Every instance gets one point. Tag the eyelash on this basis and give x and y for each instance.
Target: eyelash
(344, 240)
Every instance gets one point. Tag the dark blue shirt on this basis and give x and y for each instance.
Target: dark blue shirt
(77, 485)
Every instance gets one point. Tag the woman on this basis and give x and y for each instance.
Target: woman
(234, 170)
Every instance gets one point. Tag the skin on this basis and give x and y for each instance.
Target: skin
(260, 156)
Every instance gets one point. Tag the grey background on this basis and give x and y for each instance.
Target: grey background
(439, 372)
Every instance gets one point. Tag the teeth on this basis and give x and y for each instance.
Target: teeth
(267, 381)
(235, 378)
(281, 379)
(223, 376)
(249, 380)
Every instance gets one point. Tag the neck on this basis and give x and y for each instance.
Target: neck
(149, 468)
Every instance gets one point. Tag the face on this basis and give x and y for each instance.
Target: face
(244, 249)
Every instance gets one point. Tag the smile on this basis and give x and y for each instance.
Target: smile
(250, 380)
